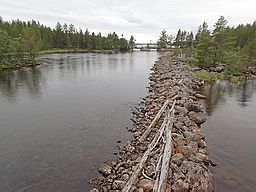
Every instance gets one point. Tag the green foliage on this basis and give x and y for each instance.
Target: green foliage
(235, 47)
(184, 39)
(164, 40)
(9, 49)
(204, 47)
(21, 41)
(250, 50)
(123, 44)
(29, 42)
(191, 61)
(131, 42)
(233, 58)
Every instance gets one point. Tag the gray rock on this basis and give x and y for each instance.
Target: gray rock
(194, 107)
(177, 158)
(118, 184)
(213, 162)
(181, 110)
(94, 190)
(177, 137)
(180, 186)
(187, 122)
(219, 69)
(187, 151)
(202, 143)
(200, 96)
(129, 148)
(125, 177)
(137, 134)
(198, 136)
(146, 184)
(150, 170)
(178, 125)
(105, 169)
(198, 118)
(188, 135)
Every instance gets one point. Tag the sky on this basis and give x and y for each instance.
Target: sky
(144, 19)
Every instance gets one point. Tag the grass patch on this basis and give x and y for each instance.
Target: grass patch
(191, 61)
(207, 76)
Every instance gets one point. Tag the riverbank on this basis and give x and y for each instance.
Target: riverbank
(220, 72)
(20, 65)
(34, 62)
(188, 169)
(53, 51)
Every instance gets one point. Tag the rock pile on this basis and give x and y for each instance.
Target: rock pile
(188, 168)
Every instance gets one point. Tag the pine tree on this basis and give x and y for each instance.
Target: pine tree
(131, 42)
(218, 39)
(163, 40)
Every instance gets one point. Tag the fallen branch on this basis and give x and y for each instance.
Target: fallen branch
(147, 153)
(167, 154)
(155, 120)
(145, 156)
(157, 173)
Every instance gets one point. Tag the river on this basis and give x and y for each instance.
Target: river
(231, 134)
(58, 121)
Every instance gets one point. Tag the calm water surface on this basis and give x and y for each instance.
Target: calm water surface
(60, 120)
(231, 134)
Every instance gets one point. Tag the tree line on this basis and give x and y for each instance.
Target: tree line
(234, 47)
(20, 41)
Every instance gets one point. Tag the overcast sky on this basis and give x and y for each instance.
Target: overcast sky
(142, 18)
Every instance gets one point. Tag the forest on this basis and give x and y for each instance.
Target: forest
(21, 41)
(234, 47)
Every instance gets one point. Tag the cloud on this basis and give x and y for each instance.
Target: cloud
(142, 18)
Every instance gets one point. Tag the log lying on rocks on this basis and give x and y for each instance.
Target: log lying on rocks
(167, 154)
(151, 146)
(157, 117)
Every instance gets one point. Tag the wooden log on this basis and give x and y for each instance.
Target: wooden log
(166, 154)
(157, 173)
(155, 120)
(145, 156)
(147, 153)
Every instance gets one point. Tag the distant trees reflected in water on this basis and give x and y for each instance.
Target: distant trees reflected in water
(218, 92)
(63, 68)
(13, 83)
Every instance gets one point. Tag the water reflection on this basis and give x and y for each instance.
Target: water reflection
(13, 83)
(60, 120)
(230, 130)
(215, 93)
(245, 92)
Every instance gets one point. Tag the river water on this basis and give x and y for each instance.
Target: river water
(231, 134)
(60, 120)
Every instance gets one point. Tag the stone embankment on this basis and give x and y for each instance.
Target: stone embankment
(143, 164)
